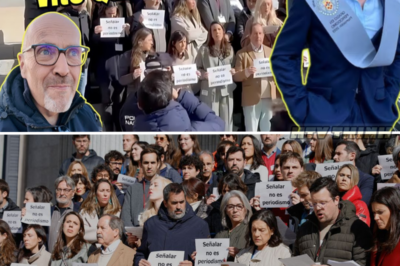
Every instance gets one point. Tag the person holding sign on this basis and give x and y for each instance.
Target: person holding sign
(236, 212)
(347, 179)
(357, 41)
(34, 249)
(172, 228)
(7, 245)
(385, 207)
(186, 18)
(333, 231)
(258, 93)
(101, 200)
(264, 13)
(266, 247)
(71, 247)
(6, 204)
(216, 82)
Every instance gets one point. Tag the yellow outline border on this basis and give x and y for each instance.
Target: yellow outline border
(304, 81)
(80, 35)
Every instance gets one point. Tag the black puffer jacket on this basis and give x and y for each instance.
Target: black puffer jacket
(348, 239)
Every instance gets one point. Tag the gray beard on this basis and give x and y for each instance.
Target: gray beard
(174, 216)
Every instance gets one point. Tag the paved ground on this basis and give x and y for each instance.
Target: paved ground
(12, 20)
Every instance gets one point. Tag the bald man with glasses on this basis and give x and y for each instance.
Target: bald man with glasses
(40, 95)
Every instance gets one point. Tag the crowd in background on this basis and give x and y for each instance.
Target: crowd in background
(182, 193)
(207, 33)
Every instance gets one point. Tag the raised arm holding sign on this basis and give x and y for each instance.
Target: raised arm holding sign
(211, 252)
(153, 19)
(112, 27)
(274, 194)
(388, 166)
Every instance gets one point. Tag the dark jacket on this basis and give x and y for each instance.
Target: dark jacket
(216, 221)
(90, 162)
(120, 195)
(32, 10)
(135, 201)
(18, 113)
(172, 174)
(368, 159)
(250, 179)
(366, 186)
(163, 233)
(10, 207)
(296, 213)
(210, 215)
(348, 239)
(241, 22)
(187, 113)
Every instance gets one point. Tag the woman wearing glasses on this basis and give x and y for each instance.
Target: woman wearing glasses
(266, 247)
(71, 246)
(236, 213)
(101, 200)
(347, 178)
(385, 208)
(167, 143)
(34, 249)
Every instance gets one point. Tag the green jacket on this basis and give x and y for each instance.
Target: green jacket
(348, 239)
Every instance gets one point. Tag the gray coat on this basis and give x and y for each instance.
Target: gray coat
(41, 258)
(238, 237)
(209, 12)
(135, 200)
(81, 257)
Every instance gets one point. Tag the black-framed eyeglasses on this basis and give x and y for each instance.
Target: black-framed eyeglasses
(48, 54)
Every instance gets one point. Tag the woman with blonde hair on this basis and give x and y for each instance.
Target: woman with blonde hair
(293, 146)
(77, 167)
(101, 200)
(321, 149)
(186, 18)
(264, 14)
(347, 178)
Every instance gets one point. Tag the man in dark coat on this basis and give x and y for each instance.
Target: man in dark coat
(173, 227)
(6, 204)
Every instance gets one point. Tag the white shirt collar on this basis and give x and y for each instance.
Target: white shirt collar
(111, 248)
(257, 50)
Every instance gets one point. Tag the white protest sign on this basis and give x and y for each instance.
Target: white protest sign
(142, 66)
(185, 74)
(382, 185)
(274, 194)
(263, 68)
(166, 258)
(84, 264)
(303, 260)
(388, 166)
(236, 5)
(329, 169)
(153, 19)
(126, 181)
(112, 27)
(13, 219)
(211, 252)
(37, 213)
(306, 58)
(219, 76)
(20, 264)
(135, 231)
(215, 192)
(343, 263)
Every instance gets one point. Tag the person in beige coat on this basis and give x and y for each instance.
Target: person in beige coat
(258, 93)
(266, 247)
(217, 52)
(101, 200)
(34, 250)
(112, 252)
(186, 18)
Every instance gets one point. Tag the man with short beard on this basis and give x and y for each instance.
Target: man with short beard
(65, 189)
(235, 163)
(87, 156)
(40, 94)
(175, 227)
(270, 151)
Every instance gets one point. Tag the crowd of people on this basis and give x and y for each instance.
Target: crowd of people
(183, 193)
(206, 34)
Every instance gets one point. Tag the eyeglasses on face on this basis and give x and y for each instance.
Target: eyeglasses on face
(231, 207)
(159, 138)
(48, 54)
(115, 163)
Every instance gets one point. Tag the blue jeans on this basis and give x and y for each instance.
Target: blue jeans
(83, 82)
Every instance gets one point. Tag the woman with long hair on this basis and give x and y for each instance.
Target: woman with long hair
(217, 52)
(264, 14)
(277, 169)
(167, 142)
(7, 245)
(265, 245)
(82, 187)
(34, 249)
(293, 146)
(101, 200)
(385, 205)
(222, 148)
(253, 157)
(347, 178)
(132, 71)
(188, 145)
(186, 18)
(77, 167)
(321, 149)
(71, 247)
(137, 148)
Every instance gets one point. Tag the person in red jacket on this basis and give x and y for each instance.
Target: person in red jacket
(347, 179)
(385, 205)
